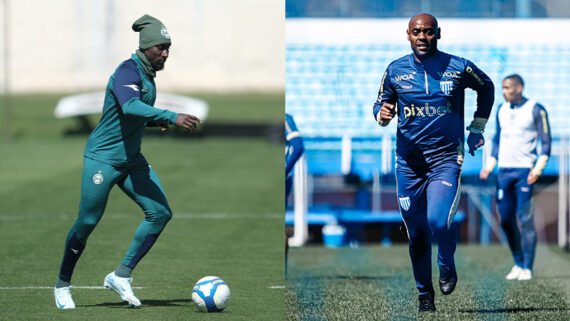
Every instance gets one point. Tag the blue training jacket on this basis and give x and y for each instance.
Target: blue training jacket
(429, 99)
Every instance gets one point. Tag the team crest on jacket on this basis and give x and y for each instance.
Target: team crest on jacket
(405, 202)
(98, 178)
(446, 86)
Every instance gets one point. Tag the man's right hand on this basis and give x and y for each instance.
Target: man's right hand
(387, 113)
(188, 122)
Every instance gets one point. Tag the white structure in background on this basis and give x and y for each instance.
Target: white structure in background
(217, 45)
(563, 194)
(92, 103)
(301, 226)
(346, 154)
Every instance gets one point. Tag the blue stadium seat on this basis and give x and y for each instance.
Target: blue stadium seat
(363, 216)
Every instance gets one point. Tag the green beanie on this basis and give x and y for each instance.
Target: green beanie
(151, 32)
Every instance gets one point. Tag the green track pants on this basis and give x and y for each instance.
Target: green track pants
(140, 183)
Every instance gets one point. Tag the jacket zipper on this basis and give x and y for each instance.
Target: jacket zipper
(427, 90)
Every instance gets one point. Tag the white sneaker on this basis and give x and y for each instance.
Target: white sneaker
(63, 298)
(514, 274)
(123, 287)
(525, 275)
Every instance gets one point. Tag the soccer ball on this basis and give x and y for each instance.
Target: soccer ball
(211, 294)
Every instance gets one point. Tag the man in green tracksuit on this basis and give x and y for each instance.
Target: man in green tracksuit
(113, 157)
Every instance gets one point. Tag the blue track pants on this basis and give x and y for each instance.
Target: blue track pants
(428, 197)
(514, 201)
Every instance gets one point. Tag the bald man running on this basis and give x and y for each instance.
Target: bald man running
(426, 91)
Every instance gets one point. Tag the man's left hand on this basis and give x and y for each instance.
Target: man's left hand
(164, 126)
(474, 141)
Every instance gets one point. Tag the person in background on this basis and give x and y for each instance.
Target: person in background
(521, 124)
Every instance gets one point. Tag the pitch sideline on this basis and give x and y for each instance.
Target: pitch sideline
(51, 287)
(182, 216)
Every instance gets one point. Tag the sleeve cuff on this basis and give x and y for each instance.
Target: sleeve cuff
(173, 117)
(382, 122)
(477, 126)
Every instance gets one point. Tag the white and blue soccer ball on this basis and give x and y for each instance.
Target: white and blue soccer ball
(211, 294)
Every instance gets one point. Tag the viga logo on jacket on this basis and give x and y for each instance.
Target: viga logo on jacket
(426, 111)
(405, 77)
(449, 74)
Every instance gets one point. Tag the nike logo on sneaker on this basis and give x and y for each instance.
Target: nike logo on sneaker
(75, 251)
(61, 306)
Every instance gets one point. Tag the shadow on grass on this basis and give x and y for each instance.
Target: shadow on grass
(512, 310)
(558, 276)
(360, 277)
(145, 303)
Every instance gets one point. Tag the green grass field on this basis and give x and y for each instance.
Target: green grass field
(376, 283)
(227, 199)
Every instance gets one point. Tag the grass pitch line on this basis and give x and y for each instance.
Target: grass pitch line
(182, 216)
(89, 287)
(51, 287)
(227, 216)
